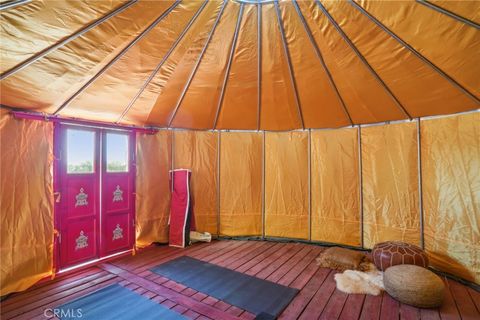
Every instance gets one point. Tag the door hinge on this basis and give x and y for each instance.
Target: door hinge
(59, 235)
(58, 196)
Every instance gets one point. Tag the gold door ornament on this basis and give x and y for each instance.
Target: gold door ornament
(117, 194)
(81, 241)
(81, 199)
(117, 232)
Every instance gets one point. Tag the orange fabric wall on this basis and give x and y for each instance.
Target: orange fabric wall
(197, 150)
(152, 187)
(241, 155)
(26, 197)
(335, 186)
(451, 193)
(286, 185)
(390, 184)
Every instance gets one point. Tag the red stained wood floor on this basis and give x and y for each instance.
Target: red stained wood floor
(290, 264)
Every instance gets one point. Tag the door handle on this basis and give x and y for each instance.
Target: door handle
(58, 196)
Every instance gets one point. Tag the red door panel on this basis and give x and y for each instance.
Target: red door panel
(118, 195)
(77, 207)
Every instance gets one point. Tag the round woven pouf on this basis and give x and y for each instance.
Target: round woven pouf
(391, 253)
(414, 285)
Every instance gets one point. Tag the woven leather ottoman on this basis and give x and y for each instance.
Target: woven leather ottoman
(391, 253)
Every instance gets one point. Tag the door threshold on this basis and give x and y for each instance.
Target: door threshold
(93, 262)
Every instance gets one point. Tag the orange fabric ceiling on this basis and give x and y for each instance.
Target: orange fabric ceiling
(274, 65)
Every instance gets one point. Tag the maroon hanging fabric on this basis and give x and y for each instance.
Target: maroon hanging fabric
(181, 214)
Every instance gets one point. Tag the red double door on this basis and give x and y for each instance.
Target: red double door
(94, 196)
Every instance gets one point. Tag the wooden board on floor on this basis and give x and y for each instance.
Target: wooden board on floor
(290, 264)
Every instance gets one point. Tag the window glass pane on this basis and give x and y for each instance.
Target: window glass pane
(80, 151)
(117, 152)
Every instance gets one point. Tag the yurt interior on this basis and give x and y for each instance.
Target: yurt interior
(240, 159)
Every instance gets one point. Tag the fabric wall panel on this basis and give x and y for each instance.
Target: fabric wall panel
(286, 185)
(380, 50)
(49, 82)
(451, 193)
(26, 197)
(152, 187)
(239, 109)
(125, 78)
(446, 42)
(241, 183)
(390, 184)
(278, 106)
(321, 106)
(41, 20)
(197, 150)
(199, 106)
(335, 187)
(165, 90)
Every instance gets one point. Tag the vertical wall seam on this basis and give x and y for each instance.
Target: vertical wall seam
(172, 156)
(263, 185)
(360, 189)
(420, 184)
(259, 66)
(218, 180)
(132, 43)
(309, 185)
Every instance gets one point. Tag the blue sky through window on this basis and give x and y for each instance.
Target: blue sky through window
(80, 151)
(117, 152)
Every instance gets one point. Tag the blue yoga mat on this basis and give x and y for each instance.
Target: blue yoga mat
(115, 302)
(253, 294)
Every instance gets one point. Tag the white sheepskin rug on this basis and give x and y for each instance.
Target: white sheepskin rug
(368, 282)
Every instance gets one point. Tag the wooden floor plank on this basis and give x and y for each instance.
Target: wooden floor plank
(408, 312)
(371, 307)
(448, 310)
(298, 304)
(60, 287)
(320, 299)
(475, 295)
(303, 277)
(390, 308)
(257, 264)
(9, 313)
(291, 264)
(38, 309)
(64, 282)
(464, 302)
(220, 252)
(299, 267)
(242, 254)
(250, 256)
(429, 314)
(353, 307)
(276, 263)
(231, 253)
(178, 298)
